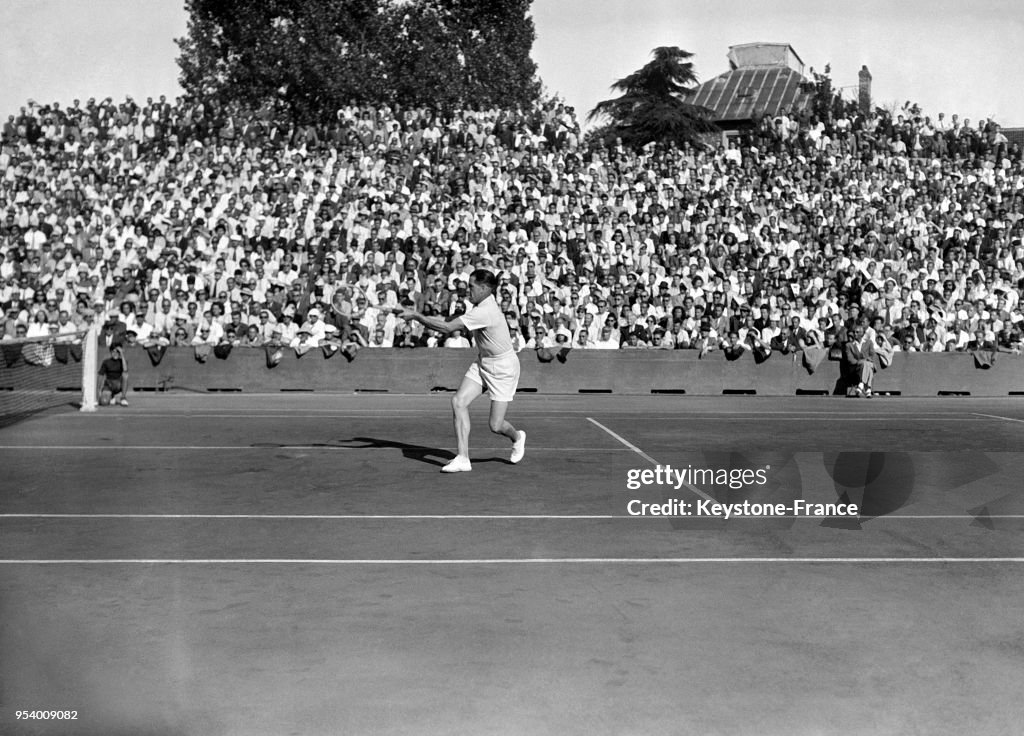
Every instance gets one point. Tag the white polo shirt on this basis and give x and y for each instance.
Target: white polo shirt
(489, 328)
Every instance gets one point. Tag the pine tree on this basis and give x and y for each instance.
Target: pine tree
(653, 106)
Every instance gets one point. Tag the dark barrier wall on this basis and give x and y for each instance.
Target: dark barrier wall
(623, 372)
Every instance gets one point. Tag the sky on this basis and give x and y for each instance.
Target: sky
(949, 56)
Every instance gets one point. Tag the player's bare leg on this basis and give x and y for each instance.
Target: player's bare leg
(468, 391)
(499, 425)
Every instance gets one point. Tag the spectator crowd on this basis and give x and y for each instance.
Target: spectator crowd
(186, 223)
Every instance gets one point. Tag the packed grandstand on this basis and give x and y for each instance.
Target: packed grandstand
(182, 223)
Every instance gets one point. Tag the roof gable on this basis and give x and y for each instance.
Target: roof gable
(746, 93)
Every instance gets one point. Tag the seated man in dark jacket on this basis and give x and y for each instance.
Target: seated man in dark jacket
(786, 341)
(858, 364)
(112, 331)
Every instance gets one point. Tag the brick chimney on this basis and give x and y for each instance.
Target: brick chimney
(864, 92)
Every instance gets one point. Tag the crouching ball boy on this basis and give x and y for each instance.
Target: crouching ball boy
(114, 375)
(496, 367)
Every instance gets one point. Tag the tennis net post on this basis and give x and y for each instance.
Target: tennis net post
(90, 368)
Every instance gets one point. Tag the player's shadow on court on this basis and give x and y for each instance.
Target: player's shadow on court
(429, 455)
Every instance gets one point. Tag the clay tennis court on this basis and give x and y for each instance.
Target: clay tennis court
(296, 564)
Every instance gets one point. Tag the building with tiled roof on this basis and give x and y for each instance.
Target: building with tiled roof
(764, 79)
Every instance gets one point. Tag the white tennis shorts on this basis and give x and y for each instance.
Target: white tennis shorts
(499, 375)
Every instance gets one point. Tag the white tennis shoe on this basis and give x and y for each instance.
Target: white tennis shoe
(459, 464)
(518, 448)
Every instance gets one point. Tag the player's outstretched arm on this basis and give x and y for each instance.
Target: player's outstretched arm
(434, 323)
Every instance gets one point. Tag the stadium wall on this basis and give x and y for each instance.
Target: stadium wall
(621, 372)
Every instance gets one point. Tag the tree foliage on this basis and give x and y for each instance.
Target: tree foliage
(653, 107)
(311, 56)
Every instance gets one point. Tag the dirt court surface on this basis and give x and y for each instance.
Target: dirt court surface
(297, 564)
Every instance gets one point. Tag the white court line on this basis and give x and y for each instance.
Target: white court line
(627, 443)
(368, 414)
(993, 416)
(553, 413)
(811, 418)
(274, 446)
(826, 418)
(529, 561)
(475, 517)
(645, 456)
(318, 517)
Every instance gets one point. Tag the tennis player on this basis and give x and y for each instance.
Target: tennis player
(496, 367)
